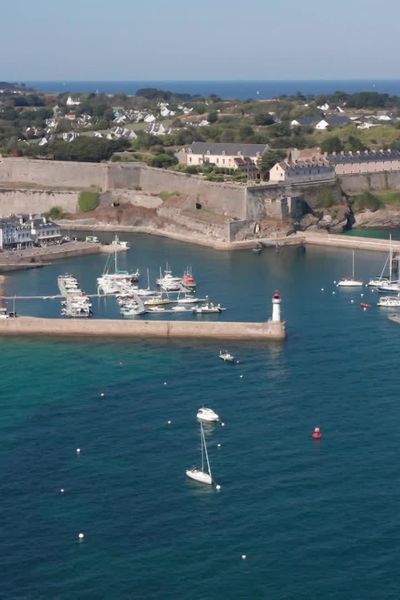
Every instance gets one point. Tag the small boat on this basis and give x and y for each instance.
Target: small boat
(350, 281)
(226, 356)
(117, 242)
(197, 474)
(156, 309)
(207, 414)
(156, 301)
(168, 282)
(4, 313)
(257, 249)
(365, 305)
(188, 299)
(179, 308)
(207, 308)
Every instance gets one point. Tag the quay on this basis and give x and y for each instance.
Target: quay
(31, 258)
(348, 241)
(111, 328)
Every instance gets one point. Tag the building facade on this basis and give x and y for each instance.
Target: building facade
(225, 156)
(354, 163)
(22, 231)
(302, 171)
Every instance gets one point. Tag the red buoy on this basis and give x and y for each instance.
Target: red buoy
(316, 434)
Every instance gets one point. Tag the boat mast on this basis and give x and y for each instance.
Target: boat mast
(205, 451)
(353, 266)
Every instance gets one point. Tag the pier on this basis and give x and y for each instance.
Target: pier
(118, 328)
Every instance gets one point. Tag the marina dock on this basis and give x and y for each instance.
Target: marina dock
(111, 328)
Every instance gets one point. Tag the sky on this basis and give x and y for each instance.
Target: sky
(203, 40)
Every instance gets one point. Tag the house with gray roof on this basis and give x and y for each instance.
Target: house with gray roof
(225, 156)
(354, 163)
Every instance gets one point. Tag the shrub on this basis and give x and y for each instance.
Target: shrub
(56, 212)
(163, 160)
(192, 170)
(88, 201)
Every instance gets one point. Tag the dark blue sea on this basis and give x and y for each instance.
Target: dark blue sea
(241, 90)
(314, 519)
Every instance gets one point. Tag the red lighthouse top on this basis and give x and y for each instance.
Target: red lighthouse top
(277, 296)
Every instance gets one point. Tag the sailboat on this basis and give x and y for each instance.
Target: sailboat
(113, 283)
(200, 474)
(350, 281)
(384, 279)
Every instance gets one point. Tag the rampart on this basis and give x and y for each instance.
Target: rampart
(370, 182)
(19, 201)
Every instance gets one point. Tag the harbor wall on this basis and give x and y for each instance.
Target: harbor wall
(347, 241)
(36, 201)
(32, 326)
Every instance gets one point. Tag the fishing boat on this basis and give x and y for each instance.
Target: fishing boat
(156, 301)
(188, 281)
(120, 244)
(197, 474)
(207, 414)
(350, 281)
(389, 301)
(226, 356)
(207, 308)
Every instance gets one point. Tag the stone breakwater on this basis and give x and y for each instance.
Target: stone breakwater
(116, 328)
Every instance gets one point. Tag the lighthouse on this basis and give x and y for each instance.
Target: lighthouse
(276, 307)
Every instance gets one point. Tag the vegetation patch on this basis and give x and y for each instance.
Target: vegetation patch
(88, 201)
(325, 199)
(166, 195)
(365, 200)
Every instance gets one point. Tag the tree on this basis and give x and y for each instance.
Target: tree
(332, 144)
(263, 119)
(269, 159)
(212, 117)
(354, 144)
(163, 160)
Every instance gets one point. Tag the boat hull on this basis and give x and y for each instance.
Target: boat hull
(200, 476)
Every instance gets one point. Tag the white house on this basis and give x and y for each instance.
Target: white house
(72, 102)
(302, 171)
(229, 155)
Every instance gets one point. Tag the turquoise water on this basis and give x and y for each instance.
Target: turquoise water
(312, 517)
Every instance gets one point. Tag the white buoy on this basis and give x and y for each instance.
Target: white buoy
(322, 289)
(365, 308)
(244, 556)
(102, 394)
(62, 491)
(352, 301)
(218, 487)
(222, 424)
(362, 295)
(78, 450)
(334, 282)
(169, 422)
(241, 376)
(81, 537)
(218, 445)
(237, 362)
(333, 293)
(165, 383)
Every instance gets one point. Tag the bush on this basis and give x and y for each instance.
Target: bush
(366, 200)
(163, 160)
(165, 195)
(88, 201)
(192, 170)
(56, 212)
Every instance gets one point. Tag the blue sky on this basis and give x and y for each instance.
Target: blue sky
(207, 39)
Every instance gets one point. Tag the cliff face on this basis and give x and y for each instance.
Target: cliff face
(384, 217)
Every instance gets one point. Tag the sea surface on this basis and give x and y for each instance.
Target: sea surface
(241, 90)
(312, 518)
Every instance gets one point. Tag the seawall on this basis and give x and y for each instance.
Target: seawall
(348, 241)
(109, 328)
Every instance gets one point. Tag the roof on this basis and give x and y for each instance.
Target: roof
(337, 120)
(308, 120)
(228, 149)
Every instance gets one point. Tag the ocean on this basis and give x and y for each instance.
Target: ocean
(312, 518)
(241, 90)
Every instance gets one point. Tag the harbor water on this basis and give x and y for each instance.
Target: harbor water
(294, 517)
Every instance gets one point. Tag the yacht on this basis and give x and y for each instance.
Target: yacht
(350, 281)
(207, 414)
(389, 286)
(384, 279)
(389, 301)
(188, 299)
(168, 282)
(118, 281)
(199, 474)
(188, 281)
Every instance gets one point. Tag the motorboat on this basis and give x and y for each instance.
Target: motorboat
(156, 301)
(120, 244)
(207, 414)
(133, 310)
(168, 282)
(156, 309)
(226, 356)
(118, 281)
(389, 286)
(180, 308)
(200, 474)
(350, 281)
(207, 308)
(389, 301)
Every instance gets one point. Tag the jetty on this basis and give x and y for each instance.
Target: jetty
(273, 329)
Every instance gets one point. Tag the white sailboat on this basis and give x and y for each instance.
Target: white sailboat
(384, 279)
(350, 281)
(197, 474)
